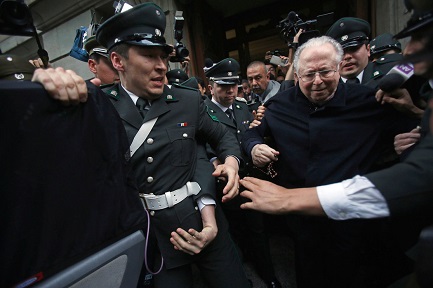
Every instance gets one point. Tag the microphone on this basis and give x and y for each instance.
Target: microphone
(396, 77)
(292, 17)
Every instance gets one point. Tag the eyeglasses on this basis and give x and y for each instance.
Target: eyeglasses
(309, 77)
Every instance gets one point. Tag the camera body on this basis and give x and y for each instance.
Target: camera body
(291, 25)
(276, 60)
(180, 50)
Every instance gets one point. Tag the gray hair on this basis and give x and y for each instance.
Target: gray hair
(317, 42)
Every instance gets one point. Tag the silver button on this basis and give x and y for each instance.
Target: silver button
(381, 59)
(239, 131)
(149, 141)
(152, 213)
(184, 135)
(196, 208)
(149, 159)
(149, 179)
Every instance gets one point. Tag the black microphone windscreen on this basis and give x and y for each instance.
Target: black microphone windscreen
(391, 82)
(208, 62)
(292, 16)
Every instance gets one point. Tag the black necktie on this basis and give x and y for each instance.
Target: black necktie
(229, 113)
(141, 106)
(353, 80)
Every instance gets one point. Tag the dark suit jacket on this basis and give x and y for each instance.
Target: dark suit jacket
(322, 145)
(169, 157)
(408, 186)
(64, 178)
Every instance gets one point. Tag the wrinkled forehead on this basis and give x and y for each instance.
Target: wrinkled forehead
(317, 57)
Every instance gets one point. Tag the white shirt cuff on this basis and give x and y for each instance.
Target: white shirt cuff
(351, 199)
(204, 201)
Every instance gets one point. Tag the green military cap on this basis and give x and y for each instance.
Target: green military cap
(92, 46)
(224, 72)
(350, 31)
(191, 82)
(384, 42)
(13, 67)
(142, 25)
(176, 76)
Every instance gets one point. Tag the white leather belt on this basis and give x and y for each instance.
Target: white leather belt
(171, 198)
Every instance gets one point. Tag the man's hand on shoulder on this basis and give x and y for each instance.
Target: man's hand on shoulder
(63, 85)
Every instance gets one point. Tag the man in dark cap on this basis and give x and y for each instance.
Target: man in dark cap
(248, 229)
(384, 44)
(187, 226)
(13, 67)
(352, 33)
(176, 76)
(98, 62)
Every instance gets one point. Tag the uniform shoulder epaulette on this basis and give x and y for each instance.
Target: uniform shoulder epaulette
(211, 114)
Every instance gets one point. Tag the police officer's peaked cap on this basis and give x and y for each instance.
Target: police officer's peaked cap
(191, 82)
(419, 19)
(13, 67)
(384, 42)
(350, 31)
(92, 46)
(224, 72)
(176, 76)
(142, 25)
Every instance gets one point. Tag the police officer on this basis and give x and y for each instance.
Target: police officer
(247, 228)
(384, 44)
(173, 181)
(352, 33)
(176, 76)
(98, 62)
(13, 67)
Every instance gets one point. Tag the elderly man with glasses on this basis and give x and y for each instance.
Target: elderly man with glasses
(325, 131)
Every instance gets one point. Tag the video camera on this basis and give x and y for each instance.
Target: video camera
(16, 19)
(180, 50)
(291, 25)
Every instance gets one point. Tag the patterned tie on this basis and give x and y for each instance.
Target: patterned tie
(353, 80)
(142, 106)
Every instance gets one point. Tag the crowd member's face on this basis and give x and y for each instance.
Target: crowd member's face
(271, 69)
(246, 88)
(258, 78)
(143, 73)
(202, 89)
(224, 94)
(103, 70)
(315, 59)
(417, 42)
(355, 59)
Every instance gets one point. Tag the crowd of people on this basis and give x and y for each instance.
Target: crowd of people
(318, 140)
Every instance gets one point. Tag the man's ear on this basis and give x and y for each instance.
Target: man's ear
(368, 49)
(296, 76)
(92, 65)
(117, 61)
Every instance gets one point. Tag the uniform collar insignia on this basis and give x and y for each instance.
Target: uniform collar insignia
(344, 37)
